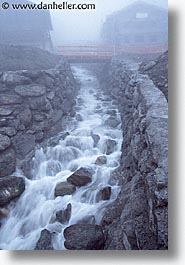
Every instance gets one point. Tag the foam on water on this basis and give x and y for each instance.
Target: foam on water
(33, 211)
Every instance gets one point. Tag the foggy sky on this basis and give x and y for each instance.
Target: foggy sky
(70, 27)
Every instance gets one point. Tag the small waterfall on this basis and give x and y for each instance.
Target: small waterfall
(87, 140)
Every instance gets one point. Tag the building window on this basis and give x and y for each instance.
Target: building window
(141, 15)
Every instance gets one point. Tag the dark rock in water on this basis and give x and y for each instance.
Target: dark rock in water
(104, 194)
(23, 144)
(4, 142)
(111, 112)
(101, 160)
(96, 139)
(64, 188)
(7, 162)
(110, 146)
(79, 117)
(81, 177)
(45, 241)
(3, 213)
(10, 188)
(64, 216)
(89, 219)
(112, 122)
(30, 90)
(84, 237)
(55, 140)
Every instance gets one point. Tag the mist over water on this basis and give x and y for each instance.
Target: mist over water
(37, 207)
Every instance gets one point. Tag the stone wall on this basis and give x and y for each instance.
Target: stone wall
(33, 106)
(138, 218)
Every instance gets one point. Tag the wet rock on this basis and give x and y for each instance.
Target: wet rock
(9, 131)
(81, 177)
(111, 112)
(46, 81)
(4, 142)
(110, 146)
(45, 241)
(40, 103)
(89, 219)
(3, 213)
(5, 111)
(84, 237)
(13, 79)
(101, 160)
(64, 216)
(7, 162)
(112, 122)
(55, 140)
(79, 117)
(25, 116)
(38, 117)
(23, 144)
(64, 188)
(7, 99)
(56, 116)
(10, 188)
(149, 65)
(67, 106)
(31, 90)
(104, 194)
(96, 139)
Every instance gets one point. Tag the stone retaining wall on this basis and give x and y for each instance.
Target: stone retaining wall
(138, 218)
(33, 106)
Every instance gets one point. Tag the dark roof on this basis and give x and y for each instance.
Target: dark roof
(138, 5)
(13, 20)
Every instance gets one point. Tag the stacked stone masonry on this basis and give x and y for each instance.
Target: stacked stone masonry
(138, 219)
(33, 106)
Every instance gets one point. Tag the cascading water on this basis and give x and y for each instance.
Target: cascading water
(37, 206)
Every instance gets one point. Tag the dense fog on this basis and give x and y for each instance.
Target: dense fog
(78, 26)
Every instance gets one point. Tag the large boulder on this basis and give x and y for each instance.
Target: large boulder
(10, 188)
(7, 162)
(4, 142)
(84, 237)
(81, 177)
(64, 216)
(64, 188)
(32, 90)
(45, 241)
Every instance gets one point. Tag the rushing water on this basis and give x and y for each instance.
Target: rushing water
(35, 209)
